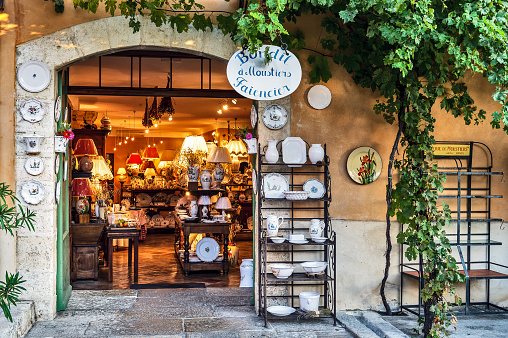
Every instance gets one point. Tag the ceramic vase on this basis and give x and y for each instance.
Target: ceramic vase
(205, 179)
(272, 154)
(193, 173)
(316, 153)
(218, 173)
(60, 144)
(193, 209)
(33, 143)
(233, 254)
(247, 273)
(252, 145)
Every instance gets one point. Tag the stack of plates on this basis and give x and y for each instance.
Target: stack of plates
(280, 311)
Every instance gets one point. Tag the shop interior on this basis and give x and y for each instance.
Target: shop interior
(159, 170)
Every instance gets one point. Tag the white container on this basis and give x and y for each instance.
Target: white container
(316, 153)
(60, 144)
(205, 179)
(316, 227)
(33, 143)
(273, 222)
(193, 173)
(282, 270)
(272, 154)
(309, 301)
(314, 267)
(252, 145)
(247, 273)
(193, 209)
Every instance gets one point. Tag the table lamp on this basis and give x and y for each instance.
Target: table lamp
(121, 176)
(219, 155)
(205, 201)
(100, 169)
(82, 188)
(166, 157)
(147, 164)
(151, 153)
(150, 172)
(223, 204)
(133, 163)
(237, 147)
(85, 147)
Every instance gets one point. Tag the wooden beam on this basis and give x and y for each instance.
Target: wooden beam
(173, 92)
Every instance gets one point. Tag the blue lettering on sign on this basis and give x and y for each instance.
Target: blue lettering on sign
(275, 92)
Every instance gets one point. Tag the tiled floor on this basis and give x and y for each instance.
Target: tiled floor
(158, 264)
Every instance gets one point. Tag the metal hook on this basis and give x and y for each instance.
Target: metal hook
(503, 180)
(501, 227)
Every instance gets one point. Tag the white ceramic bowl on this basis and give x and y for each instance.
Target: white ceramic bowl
(277, 240)
(280, 310)
(319, 239)
(282, 270)
(296, 195)
(314, 267)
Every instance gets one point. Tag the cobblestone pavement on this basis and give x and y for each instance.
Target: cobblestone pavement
(206, 312)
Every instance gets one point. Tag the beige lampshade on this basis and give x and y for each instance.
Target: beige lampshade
(150, 172)
(100, 169)
(223, 203)
(211, 146)
(204, 200)
(121, 171)
(121, 175)
(237, 147)
(219, 155)
(194, 143)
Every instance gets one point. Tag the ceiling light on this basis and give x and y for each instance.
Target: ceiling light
(219, 111)
(125, 141)
(234, 101)
(114, 149)
(154, 144)
(146, 131)
(170, 117)
(161, 141)
(225, 106)
(132, 138)
(126, 137)
(119, 143)
(155, 125)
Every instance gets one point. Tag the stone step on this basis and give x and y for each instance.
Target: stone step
(23, 318)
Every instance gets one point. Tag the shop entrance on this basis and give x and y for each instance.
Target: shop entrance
(154, 117)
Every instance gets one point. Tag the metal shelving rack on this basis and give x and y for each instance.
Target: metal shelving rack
(472, 183)
(326, 286)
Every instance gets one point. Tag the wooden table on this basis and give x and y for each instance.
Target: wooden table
(119, 233)
(187, 229)
(86, 239)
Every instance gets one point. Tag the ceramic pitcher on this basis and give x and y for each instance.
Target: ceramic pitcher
(316, 227)
(273, 223)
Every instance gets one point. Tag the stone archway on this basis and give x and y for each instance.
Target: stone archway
(37, 251)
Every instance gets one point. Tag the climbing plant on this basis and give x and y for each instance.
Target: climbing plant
(415, 55)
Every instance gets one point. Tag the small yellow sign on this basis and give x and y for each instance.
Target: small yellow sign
(451, 149)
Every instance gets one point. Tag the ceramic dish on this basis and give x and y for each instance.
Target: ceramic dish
(157, 219)
(253, 116)
(207, 249)
(275, 116)
(319, 97)
(143, 200)
(298, 241)
(358, 163)
(58, 108)
(126, 203)
(274, 185)
(319, 239)
(314, 267)
(294, 151)
(33, 76)
(65, 171)
(282, 270)
(173, 200)
(57, 164)
(277, 240)
(194, 260)
(296, 195)
(33, 192)
(315, 188)
(57, 192)
(34, 165)
(280, 311)
(32, 110)
(254, 182)
(160, 199)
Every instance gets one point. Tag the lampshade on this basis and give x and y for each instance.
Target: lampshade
(211, 146)
(135, 158)
(237, 147)
(147, 164)
(151, 153)
(223, 203)
(81, 187)
(150, 172)
(167, 155)
(121, 171)
(219, 155)
(101, 169)
(194, 143)
(85, 146)
(204, 200)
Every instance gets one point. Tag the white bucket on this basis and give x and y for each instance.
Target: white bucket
(309, 301)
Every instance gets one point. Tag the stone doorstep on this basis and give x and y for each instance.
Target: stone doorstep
(368, 324)
(23, 318)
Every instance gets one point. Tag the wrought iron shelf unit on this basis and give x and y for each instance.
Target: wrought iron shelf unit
(299, 213)
(470, 231)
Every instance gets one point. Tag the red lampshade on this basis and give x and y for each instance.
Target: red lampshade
(151, 152)
(135, 158)
(81, 187)
(85, 146)
(146, 165)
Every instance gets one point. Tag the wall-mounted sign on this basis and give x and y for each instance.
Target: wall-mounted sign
(449, 149)
(249, 76)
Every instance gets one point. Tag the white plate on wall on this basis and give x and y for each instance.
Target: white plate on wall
(207, 249)
(33, 76)
(32, 110)
(319, 97)
(274, 185)
(253, 116)
(33, 192)
(58, 108)
(315, 188)
(294, 151)
(34, 165)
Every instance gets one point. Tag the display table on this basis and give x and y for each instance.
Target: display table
(132, 234)
(86, 238)
(187, 229)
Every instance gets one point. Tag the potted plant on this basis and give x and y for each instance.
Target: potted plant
(64, 134)
(248, 139)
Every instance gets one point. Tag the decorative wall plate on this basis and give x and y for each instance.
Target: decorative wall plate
(32, 110)
(57, 192)
(65, 170)
(274, 185)
(33, 192)
(275, 116)
(143, 200)
(66, 116)
(57, 164)
(34, 165)
(253, 116)
(315, 188)
(157, 220)
(364, 165)
(294, 151)
(254, 182)
(319, 97)
(33, 76)
(207, 249)
(58, 108)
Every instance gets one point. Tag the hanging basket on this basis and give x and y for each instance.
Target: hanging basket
(60, 144)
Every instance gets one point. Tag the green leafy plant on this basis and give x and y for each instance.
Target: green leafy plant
(12, 216)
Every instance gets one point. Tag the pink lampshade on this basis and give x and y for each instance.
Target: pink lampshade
(81, 187)
(204, 200)
(85, 146)
(135, 158)
(151, 152)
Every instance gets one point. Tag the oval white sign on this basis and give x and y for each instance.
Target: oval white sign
(250, 77)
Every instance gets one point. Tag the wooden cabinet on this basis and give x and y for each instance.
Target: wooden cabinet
(86, 239)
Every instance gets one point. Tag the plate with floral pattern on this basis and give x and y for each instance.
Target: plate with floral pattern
(364, 165)
(315, 188)
(274, 185)
(32, 110)
(58, 108)
(33, 192)
(34, 165)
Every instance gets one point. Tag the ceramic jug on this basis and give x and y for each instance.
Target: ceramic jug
(273, 223)
(272, 154)
(206, 179)
(316, 227)
(193, 209)
(316, 153)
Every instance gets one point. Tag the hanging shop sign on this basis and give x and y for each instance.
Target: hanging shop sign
(250, 77)
(448, 149)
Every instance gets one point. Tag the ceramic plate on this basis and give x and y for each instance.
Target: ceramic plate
(57, 164)
(207, 249)
(294, 151)
(275, 116)
(254, 182)
(315, 188)
(274, 185)
(33, 76)
(33, 192)
(158, 219)
(126, 203)
(58, 108)
(280, 311)
(32, 110)
(66, 115)
(143, 200)
(173, 200)
(298, 241)
(364, 165)
(57, 193)
(34, 165)
(319, 97)
(253, 116)
(65, 171)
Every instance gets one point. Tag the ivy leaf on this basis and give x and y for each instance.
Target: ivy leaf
(320, 70)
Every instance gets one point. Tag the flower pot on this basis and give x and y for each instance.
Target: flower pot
(33, 143)
(60, 144)
(316, 153)
(252, 145)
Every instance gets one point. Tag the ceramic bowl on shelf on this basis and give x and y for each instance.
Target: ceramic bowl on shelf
(296, 195)
(282, 270)
(314, 267)
(319, 239)
(280, 311)
(277, 240)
